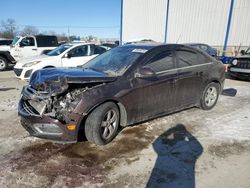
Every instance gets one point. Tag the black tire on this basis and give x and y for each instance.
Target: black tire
(97, 123)
(3, 64)
(209, 100)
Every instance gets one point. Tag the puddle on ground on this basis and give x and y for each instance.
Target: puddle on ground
(81, 162)
(226, 149)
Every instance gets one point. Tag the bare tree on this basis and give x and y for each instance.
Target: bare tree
(9, 28)
(62, 37)
(51, 32)
(29, 30)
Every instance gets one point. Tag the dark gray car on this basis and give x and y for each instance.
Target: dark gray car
(124, 86)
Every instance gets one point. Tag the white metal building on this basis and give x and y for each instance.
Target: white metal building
(186, 21)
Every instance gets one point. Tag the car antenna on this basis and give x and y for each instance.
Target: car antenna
(178, 39)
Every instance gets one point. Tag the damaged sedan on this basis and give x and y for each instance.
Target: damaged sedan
(126, 85)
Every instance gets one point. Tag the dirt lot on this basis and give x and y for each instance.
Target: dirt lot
(186, 149)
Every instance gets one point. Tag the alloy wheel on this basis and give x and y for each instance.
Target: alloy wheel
(211, 96)
(109, 124)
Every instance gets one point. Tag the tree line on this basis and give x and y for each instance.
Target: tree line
(9, 29)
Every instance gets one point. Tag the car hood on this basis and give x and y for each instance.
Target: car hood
(243, 57)
(36, 58)
(54, 81)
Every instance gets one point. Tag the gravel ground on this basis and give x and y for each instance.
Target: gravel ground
(192, 148)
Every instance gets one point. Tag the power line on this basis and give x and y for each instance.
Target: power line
(77, 27)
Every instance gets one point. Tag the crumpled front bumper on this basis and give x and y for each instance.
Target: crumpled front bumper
(46, 126)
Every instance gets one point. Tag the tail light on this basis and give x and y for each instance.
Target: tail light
(226, 68)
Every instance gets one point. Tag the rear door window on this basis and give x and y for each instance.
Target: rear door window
(46, 41)
(187, 58)
(99, 50)
(5, 42)
(79, 51)
(161, 62)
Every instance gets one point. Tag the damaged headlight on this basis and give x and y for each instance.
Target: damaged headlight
(39, 106)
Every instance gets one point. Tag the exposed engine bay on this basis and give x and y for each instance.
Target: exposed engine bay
(41, 103)
(57, 92)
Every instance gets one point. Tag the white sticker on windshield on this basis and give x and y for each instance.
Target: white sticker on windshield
(139, 50)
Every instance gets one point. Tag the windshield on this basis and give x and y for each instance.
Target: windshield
(15, 40)
(116, 61)
(57, 51)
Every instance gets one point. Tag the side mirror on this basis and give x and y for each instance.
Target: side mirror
(243, 52)
(21, 44)
(67, 55)
(145, 72)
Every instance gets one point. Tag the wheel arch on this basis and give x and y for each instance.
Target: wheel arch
(122, 111)
(217, 82)
(213, 80)
(121, 108)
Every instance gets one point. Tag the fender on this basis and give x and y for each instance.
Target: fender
(7, 56)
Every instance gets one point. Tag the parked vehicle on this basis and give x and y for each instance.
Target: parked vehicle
(239, 67)
(110, 45)
(124, 86)
(140, 41)
(211, 51)
(5, 44)
(66, 55)
(26, 47)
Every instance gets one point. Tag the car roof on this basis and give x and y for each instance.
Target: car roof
(150, 46)
(190, 44)
(77, 43)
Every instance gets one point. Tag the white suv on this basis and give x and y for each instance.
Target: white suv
(66, 55)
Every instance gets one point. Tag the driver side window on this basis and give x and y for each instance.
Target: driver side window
(79, 51)
(161, 62)
(28, 41)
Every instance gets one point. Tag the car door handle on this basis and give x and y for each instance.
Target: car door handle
(199, 73)
(34, 49)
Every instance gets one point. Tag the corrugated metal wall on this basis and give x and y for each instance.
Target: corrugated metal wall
(202, 21)
(144, 19)
(198, 21)
(240, 26)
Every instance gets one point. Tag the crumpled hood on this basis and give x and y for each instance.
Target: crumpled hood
(56, 80)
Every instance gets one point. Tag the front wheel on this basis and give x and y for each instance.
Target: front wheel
(3, 64)
(102, 124)
(210, 96)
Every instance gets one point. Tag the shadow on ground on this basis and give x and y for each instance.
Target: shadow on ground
(177, 153)
(229, 92)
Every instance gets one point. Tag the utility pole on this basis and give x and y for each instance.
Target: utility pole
(68, 33)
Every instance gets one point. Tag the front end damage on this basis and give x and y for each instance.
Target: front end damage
(51, 117)
(49, 109)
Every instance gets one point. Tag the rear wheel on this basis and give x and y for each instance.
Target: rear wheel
(3, 64)
(101, 125)
(210, 96)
